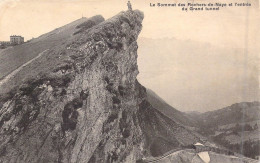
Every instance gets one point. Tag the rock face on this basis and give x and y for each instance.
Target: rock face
(79, 100)
(83, 110)
(87, 106)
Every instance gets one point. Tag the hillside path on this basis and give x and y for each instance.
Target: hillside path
(9, 76)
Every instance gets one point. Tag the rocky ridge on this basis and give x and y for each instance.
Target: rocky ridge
(82, 110)
(86, 105)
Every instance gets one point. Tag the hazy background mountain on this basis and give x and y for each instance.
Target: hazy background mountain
(172, 113)
(87, 103)
(197, 76)
(176, 69)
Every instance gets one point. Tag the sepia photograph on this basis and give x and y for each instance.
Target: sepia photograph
(129, 81)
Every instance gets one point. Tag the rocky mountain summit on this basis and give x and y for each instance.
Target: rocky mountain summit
(78, 100)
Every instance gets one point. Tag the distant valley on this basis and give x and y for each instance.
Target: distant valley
(234, 127)
(72, 95)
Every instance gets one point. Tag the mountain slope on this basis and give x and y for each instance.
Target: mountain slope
(232, 114)
(79, 101)
(234, 127)
(162, 134)
(168, 110)
(13, 57)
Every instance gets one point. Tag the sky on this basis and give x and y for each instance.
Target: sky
(229, 28)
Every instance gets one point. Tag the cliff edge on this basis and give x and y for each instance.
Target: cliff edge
(83, 104)
(79, 100)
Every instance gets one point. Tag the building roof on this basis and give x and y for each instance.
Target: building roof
(199, 144)
(15, 36)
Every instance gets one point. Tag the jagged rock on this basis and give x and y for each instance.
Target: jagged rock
(82, 109)
(80, 101)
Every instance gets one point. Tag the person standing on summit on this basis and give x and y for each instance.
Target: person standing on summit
(129, 5)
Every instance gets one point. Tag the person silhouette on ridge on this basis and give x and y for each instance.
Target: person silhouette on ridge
(129, 5)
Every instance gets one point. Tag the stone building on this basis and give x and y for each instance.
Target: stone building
(16, 39)
(199, 147)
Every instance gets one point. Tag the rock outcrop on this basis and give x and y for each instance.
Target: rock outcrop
(87, 105)
(79, 100)
(83, 109)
